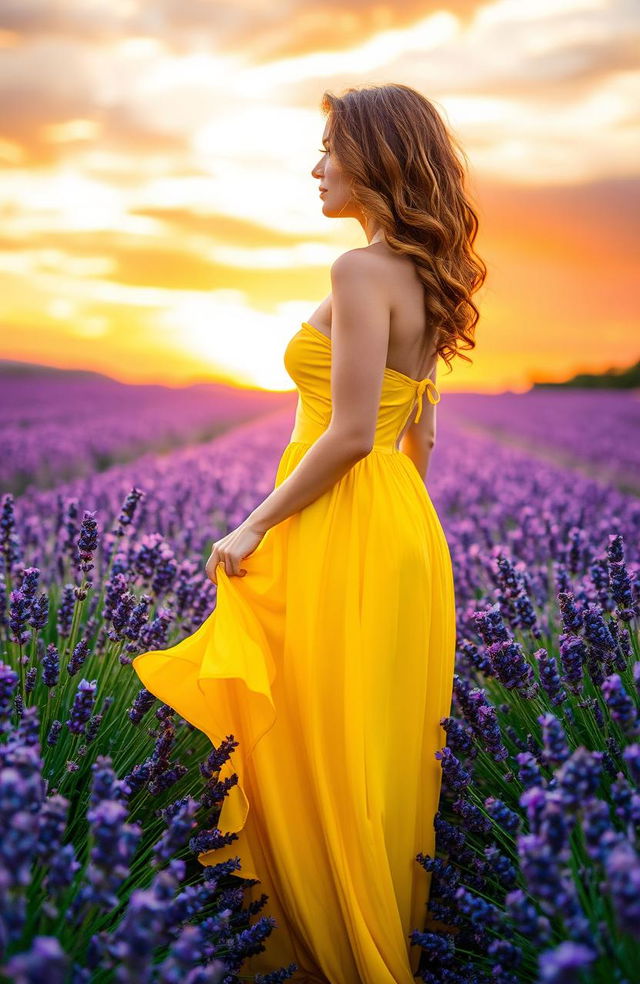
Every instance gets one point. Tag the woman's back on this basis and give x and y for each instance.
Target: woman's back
(411, 341)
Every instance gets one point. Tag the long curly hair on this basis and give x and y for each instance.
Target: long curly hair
(400, 158)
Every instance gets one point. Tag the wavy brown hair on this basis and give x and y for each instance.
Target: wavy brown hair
(401, 160)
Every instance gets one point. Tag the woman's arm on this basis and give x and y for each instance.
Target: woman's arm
(418, 441)
(360, 321)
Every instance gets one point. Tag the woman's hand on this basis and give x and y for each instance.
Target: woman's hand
(231, 549)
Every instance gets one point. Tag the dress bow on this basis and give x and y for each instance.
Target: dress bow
(432, 395)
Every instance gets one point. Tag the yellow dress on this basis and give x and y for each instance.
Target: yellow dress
(331, 663)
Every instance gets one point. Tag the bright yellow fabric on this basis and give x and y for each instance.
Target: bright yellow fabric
(331, 662)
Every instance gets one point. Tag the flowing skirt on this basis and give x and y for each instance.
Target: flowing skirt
(331, 662)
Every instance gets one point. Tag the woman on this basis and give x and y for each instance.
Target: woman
(330, 653)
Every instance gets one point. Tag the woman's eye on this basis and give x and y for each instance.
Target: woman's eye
(323, 150)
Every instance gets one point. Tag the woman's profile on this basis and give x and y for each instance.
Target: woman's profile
(330, 653)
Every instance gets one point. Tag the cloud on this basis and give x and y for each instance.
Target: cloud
(242, 25)
(223, 228)
(165, 148)
(151, 76)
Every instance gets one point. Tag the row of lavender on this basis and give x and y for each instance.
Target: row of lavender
(595, 428)
(59, 427)
(101, 820)
(102, 814)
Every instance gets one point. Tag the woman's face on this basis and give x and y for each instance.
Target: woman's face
(336, 196)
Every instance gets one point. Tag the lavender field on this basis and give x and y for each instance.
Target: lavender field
(594, 430)
(107, 796)
(65, 424)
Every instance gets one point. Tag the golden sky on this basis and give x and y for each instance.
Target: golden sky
(160, 222)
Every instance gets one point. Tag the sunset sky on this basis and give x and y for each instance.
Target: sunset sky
(160, 222)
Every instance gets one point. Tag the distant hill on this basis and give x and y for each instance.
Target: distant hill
(10, 368)
(613, 378)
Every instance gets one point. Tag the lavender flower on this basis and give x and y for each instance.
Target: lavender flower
(44, 961)
(571, 616)
(554, 739)
(507, 819)
(455, 776)
(631, 755)
(78, 657)
(88, 542)
(511, 667)
(65, 611)
(490, 625)
(459, 738)
(578, 777)
(599, 834)
(622, 708)
(143, 702)
(128, 510)
(622, 866)
(180, 825)
(562, 964)
(472, 815)
(620, 582)
(526, 918)
(82, 706)
(528, 773)
(8, 684)
(573, 655)
(550, 677)
(597, 632)
(19, 616)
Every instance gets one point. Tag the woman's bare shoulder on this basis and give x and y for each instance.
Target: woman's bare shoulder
(364, 262)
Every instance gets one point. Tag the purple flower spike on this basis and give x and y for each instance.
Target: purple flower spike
(82, 706)
(579, 777)
(45, 961)
(527, 919)
(490, 625)
(87, 542)
(180, 824)
(51, 666)
(597, 632)
(459, 738)
(571, 616)
(621, 585)
(79, 655)
(455, 776)
(19, 616)
(554, 740)
(623, 881)
(563, 964)
(500, 813)
(8, 685)
(631, 755)
(623, 709)
(528, 773)
(550, 677)
(512, 668)
(65, 611)
(573, 656)
(143, 701)
(128, 510)
(599, 835)
(472, 816)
